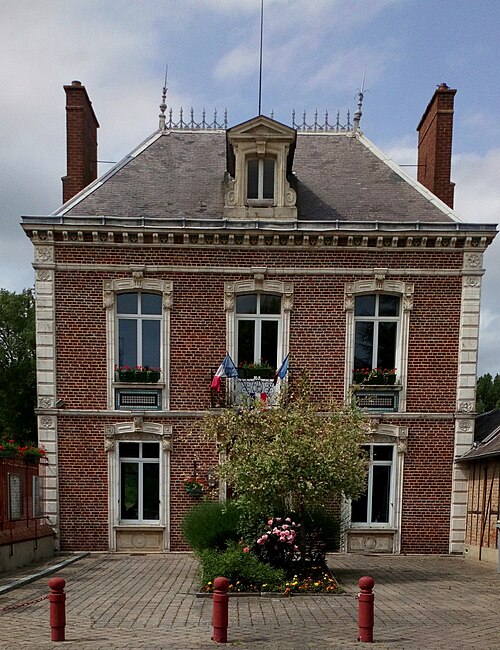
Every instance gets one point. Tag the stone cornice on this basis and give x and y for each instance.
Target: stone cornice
(369, 236)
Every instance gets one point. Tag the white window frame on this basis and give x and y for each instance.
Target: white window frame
(369, 488)
(258, 285)
(140, 461)
(139, 318)
(258, 318)
(147, 285)
(376, 320)
(260, 200)
(379, 284)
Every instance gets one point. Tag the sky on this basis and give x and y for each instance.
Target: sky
(316, 53)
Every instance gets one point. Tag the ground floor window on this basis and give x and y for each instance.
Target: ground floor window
(376, 504)
(139, 482)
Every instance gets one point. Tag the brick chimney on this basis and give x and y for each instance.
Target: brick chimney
(81, 141)
(435, 132)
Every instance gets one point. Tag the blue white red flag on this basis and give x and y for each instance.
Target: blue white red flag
(282, 370)
(226, 369)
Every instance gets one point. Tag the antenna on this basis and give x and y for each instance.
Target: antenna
(260, 58)
(357, 115)
(163, 105)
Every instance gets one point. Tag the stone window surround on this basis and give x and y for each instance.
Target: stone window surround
(383, 433)
(137, 431)
(379, 284)
(137, 283)
(258, 285)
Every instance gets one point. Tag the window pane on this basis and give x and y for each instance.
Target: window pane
(129, 450)
(246, 341)
(270, 304)
(150, 450)
(129, 490)
(126, 303)
(151, 343)
(382, 452)
(363, 345)
(150, 303)
(381, 493)
(388, 305)
(269, 342)
(386, 357)
(127, 342)
(268, 190)
(364, 306)
(151, 491)
(359, 509)
(253, 179)
(246, 303)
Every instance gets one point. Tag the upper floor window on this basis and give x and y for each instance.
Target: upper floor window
(258, 327)
(139, 316)
(260, 181)
(376, 331)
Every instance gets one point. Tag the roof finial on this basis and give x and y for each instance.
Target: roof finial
(163, 105)
(357, 115)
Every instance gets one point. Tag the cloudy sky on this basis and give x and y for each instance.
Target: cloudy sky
(315, 56)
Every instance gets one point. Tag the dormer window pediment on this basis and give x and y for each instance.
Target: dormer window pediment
(259, 161)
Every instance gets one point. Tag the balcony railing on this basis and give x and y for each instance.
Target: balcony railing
(239, 392)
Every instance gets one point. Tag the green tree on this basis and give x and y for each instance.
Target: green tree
(487, 393)
(17, 365)
(292, 457)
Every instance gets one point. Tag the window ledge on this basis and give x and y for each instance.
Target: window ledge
(134, 527)
(138, 384)
(371, 528)
(377, 387)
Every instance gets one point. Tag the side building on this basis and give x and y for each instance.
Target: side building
(266, 242)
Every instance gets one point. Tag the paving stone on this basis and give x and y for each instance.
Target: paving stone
(149, 602)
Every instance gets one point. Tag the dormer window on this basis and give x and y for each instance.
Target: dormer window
(259, 169)
(260, 181)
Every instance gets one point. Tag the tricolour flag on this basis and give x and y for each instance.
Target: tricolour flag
(226, 369)
(282, 370)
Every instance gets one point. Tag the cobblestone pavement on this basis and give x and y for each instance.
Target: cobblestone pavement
(148, 601)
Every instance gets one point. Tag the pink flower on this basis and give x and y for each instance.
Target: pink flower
(269, 522)
(246, 550)
(264, 537)
(260, 541)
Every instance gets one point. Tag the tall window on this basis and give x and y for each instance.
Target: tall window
(139, 329)
(258, 324)
(376, 318)
(375, 506)
(139, 481)
(260, 180)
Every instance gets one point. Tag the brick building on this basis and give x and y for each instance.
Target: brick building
(262, 240)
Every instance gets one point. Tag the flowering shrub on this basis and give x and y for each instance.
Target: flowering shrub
(276, 545)
(324, 583)
(12, 449)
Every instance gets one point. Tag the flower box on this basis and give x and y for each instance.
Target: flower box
(193, 488)
(374, 377)
(264, 372)
(139, 376)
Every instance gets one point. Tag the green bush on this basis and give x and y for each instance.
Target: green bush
(211, 525)
(243, 570)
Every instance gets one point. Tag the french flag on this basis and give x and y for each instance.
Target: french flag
(226, 369)
(282, 370)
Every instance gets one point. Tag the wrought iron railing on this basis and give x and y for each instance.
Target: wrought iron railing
(239, 392)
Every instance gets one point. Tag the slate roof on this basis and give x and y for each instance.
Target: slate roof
(486, 437)
(340, 176)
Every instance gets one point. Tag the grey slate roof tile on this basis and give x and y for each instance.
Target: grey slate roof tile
(181, 174)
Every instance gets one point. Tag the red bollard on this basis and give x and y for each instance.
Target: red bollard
(220, 614)
(365, 611)
(57, 599)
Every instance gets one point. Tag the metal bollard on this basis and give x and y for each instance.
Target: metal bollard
(57, 599)
(365, 609)
(220, 613)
